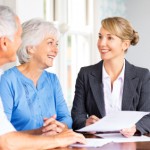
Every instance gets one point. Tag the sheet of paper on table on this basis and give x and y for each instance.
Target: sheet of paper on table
(93, 142)
(108, 138)
(118, 138)
(115, 121)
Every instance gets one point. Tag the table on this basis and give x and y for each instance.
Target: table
(114, 146)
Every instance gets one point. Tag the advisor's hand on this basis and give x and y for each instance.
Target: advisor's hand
(129, 131)
(92, 119)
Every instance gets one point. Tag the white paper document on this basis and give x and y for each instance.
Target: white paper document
(93, 142)
(118, 138)
(115, 121)
(109, 138)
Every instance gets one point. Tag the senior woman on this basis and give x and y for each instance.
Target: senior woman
(32, 97)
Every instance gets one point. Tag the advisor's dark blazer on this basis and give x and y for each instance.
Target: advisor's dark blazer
(89, 96)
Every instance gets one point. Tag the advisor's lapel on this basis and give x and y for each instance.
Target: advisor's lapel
(130, 84)
(95, 79)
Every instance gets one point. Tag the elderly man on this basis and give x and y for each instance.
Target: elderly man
(10, 40)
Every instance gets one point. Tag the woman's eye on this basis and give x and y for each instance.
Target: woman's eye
(53, 44)
(110, 38)
(50, 43)
(57, 44)
(100, 37)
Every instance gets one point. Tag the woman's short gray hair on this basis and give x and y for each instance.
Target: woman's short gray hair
(8, 24)
(34, 31)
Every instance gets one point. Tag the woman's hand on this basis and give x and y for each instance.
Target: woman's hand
(129, 131)
(51, 126)
(92, 119)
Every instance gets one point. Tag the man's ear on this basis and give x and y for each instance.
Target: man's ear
(3, 43)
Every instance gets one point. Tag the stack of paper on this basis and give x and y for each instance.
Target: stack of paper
(108, 138)
(118, 138)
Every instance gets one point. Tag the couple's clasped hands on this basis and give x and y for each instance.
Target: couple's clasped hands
(52, 127)
(64, 136)
(125, 132)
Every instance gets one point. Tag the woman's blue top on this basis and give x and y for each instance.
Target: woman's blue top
(26, 105)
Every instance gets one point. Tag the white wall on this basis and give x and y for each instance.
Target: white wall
(25, 7)
(10, 3)
(138, 12)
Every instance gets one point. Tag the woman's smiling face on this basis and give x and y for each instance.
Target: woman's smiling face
(45, 52)
(110, 46)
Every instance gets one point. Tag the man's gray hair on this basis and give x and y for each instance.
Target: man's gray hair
(8, 25)
(34, 31)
